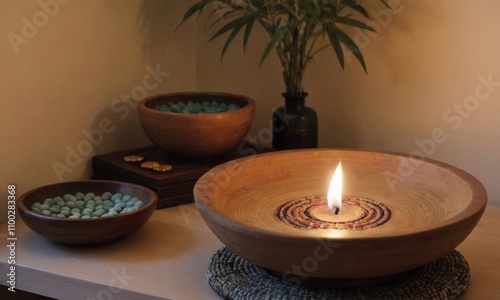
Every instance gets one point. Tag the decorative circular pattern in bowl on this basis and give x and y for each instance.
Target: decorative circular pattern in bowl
(309, 213)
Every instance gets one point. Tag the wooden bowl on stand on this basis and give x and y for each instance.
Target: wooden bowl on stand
(270, 210)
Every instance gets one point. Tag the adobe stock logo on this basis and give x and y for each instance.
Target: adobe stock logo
(310, 264)
(30, 28)
(454, 117)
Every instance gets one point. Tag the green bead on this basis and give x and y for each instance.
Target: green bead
(89, 205)
(106, 196)
(65, 213)
(98, 213)
(232, 107)
(69, 197)
(48, 201)
(55, 209)
(87, 211)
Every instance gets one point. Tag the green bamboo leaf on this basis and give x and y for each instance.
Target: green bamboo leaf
(354, 23)
(357, 7)
(351, 45)
(230, 38)
(290, 9)
(218, 19)
(273, 43)
(234, 26)
(197, 7)
(267, 26)
(236, 23)
(386, 4)
(228, 15)
(294, 27)
(335, 42)
(311, 8)
(248, 30)
(258, 3)
(308, 29)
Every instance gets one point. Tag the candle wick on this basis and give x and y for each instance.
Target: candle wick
(337, 210)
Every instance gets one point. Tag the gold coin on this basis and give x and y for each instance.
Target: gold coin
(163, 168)
(149, 164)
(133, 158)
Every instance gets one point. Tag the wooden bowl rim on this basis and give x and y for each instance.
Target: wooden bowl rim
(249, 106)
(21, 205)
(476, 206)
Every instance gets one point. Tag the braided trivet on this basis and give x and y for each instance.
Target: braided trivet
(232, 277)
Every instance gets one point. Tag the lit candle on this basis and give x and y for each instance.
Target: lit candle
(334, 196)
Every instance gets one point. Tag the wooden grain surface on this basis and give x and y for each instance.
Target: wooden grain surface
(168, 257)
(432, 211)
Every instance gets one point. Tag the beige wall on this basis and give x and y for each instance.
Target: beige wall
(65, 77)
(425, 68)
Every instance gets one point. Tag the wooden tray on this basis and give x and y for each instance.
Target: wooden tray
(173, 188)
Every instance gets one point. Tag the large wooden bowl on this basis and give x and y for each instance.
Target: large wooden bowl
(434, 207)
(86, 231)
(196, 136)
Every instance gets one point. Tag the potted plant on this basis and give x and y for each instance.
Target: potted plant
(298, 30)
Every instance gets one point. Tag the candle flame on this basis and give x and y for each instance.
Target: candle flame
(334, 196)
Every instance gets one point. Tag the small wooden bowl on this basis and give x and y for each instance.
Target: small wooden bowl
(196, 136)
(86, 231)
(434, 207)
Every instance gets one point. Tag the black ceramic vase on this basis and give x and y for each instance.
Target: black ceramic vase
(295, 126)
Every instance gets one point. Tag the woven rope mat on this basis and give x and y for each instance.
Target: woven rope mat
(232, 277)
